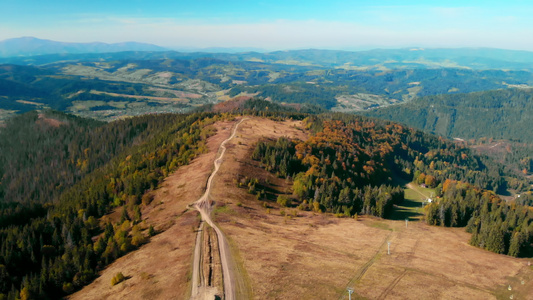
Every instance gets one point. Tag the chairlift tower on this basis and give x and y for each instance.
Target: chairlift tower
(350, 292)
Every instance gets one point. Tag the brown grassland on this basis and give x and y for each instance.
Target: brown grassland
(286, 253)
(292, 254)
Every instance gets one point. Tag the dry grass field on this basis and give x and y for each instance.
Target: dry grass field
(292, 254)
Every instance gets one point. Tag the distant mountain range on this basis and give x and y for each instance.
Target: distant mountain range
(30, 46)
(33, 51)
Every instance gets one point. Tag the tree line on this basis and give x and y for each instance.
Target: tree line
(52, 241)
(496, 225)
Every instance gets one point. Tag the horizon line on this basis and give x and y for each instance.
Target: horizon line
(245, 49)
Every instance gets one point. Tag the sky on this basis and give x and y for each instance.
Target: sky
(275, 24)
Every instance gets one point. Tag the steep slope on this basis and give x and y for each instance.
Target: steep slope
(162, 268)
(500, 114)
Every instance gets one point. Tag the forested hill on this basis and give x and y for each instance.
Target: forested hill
(59, 175)
(499, 114)
(347, 167)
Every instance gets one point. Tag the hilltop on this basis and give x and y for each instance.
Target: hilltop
(106, 196)
(277, 247)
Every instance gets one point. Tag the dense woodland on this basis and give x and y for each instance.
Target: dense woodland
(349, 167)
(60, 174)
(492, 122)
(498, 114)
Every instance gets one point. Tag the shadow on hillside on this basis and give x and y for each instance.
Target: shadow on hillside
(408, 209)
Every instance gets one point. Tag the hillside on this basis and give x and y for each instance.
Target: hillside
(491, 122)
(274, 245)
(108, 194)
(500, 114)
(57, 186)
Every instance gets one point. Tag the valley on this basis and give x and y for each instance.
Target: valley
(117, 85)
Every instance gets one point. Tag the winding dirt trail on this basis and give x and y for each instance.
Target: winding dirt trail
(204, 206)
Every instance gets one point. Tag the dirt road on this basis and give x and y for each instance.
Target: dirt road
(204, 206)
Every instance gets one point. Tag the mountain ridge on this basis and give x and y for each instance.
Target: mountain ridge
(31, 46)
(34, 51)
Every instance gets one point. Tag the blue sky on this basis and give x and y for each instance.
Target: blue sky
(274, 24)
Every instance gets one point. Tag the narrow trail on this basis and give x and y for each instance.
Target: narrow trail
(392, 285)
(361, 272)
(199, 289)
(196, 276)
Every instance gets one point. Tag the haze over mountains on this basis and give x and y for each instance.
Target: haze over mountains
(29, 46)
(18, 50)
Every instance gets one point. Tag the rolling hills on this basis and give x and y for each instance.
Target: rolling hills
(107, 89)
(144, 79)
(380, 59)
(83, 200)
